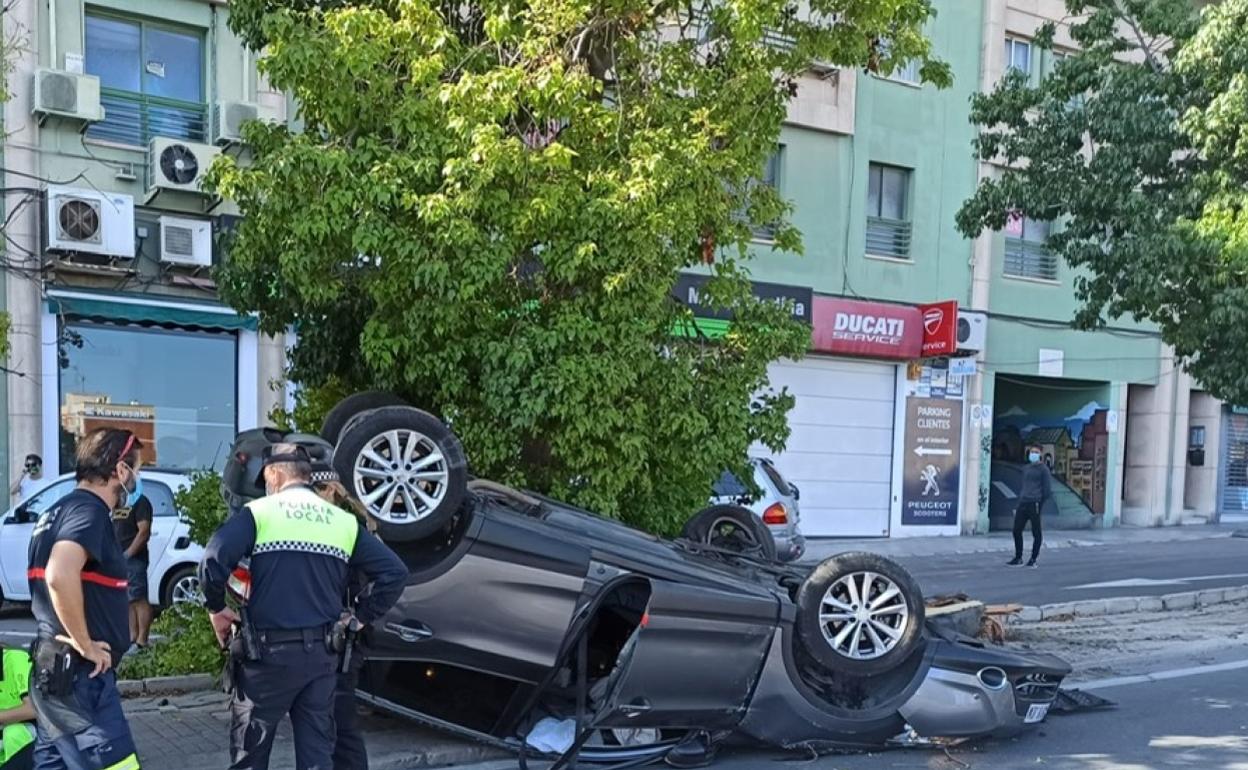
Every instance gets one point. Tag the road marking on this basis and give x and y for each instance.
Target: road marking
(1004, 490)
(1160, 676)
(1141, 582)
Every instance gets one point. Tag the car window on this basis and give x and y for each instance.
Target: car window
(782, 486)
(161, 498)
(47, 497)
(729, 485)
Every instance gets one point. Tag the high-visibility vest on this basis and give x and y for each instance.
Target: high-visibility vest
(14, 686)
(297, 519)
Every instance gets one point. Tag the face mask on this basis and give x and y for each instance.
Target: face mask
(133, 495)
(1033, 457)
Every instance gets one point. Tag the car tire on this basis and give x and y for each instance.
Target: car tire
(849, 636)
(405, 508)
(749, 535)
(177, 584)
(353, 405)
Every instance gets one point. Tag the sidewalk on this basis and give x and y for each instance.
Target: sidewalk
(191, 732)
(900, 547)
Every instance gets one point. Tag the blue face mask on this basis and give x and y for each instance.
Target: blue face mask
(132, 496)
(1033, 457)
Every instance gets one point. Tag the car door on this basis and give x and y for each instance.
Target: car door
(15, 531)
(164, 519)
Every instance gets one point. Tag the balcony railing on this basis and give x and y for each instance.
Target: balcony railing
(131, 118)
(1028, 259)
(888, 238)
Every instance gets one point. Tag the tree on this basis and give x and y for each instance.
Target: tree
(489, 203)
(1134, 146)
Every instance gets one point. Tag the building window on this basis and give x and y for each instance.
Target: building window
(177, 390)
(770, 177)
(151, 80)
(1018, 55)
(1027, 253)
(888, 216)
(908, 72)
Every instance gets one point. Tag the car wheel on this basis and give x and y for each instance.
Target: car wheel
(859, 613)
(182, 587)
(406, 467)
(732, 528)
(336, 421)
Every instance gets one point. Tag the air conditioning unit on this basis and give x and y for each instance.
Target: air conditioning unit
(176, 164)
(67, 95)
(186, 242)
(90, 222)
(228, 119)
(972, 331)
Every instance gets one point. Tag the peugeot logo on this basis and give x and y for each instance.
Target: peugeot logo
(932, 319)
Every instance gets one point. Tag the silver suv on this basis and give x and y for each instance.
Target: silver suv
(775, 503)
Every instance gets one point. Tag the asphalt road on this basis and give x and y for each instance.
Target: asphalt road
(1074, 574)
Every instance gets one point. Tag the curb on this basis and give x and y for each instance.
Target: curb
(166, 685)
(1122, 605)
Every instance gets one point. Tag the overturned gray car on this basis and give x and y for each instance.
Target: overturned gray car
(531, 623)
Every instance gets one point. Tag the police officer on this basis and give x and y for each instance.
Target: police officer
(301, 550)
(77, 575)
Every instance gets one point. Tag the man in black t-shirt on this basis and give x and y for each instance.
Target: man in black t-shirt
(134, 528)
(78, 577)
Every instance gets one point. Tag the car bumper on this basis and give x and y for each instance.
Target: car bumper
(790, 545)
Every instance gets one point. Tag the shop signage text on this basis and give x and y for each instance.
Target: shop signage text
(874, 329)
(689, 291)
(940, 328)
(933, 446)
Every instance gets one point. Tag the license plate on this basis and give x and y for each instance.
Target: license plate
(1036, 713)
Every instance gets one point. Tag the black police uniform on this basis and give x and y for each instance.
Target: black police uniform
(296, 596)
(80, 721)
(350, 751)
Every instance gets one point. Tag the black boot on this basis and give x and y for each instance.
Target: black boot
(1017, 561)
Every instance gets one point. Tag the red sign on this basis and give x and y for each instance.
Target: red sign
(875, 329)
(940, 328)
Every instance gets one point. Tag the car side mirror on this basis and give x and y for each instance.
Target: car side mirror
(21, 515)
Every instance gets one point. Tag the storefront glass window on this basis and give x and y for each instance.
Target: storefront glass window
(176, 390)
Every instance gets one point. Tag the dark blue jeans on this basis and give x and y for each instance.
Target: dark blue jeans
(85, 730)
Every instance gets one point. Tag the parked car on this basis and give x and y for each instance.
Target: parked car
(171, 574)
(772, 499)
(521, 609)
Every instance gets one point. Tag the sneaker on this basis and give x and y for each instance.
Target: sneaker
(1031, 563)
(1014, 563)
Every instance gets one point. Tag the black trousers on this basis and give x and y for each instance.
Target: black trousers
(350, 752)
(1024, 513)
(295, 678)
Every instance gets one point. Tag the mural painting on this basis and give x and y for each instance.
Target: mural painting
(1070, 425)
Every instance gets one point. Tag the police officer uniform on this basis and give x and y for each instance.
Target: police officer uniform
(301, 551)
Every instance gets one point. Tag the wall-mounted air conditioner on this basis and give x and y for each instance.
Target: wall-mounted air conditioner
(176, 164)
(89, 222)
(972, 331)
(186, 242)
(228, 119)
(67, 95)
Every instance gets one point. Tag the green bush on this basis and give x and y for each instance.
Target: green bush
(186, 645)
(202, 506)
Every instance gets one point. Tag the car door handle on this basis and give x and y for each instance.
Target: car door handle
(410, 633)
(636, 708)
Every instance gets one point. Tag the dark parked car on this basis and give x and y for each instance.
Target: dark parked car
(523, 610)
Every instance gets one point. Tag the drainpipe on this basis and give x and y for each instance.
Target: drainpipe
(1174, 416)
(52, 33)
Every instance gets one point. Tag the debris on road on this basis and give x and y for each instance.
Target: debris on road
(1075, 701)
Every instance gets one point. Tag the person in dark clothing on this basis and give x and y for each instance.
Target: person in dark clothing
(350, 751)
(1037, 490)
(78, 581)
(301, 551)
(133, 527)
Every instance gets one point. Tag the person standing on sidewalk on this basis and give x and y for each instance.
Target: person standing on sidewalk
(133, 527)
(77, 573)
(302, 550)
(29, 482)
(1037, 490)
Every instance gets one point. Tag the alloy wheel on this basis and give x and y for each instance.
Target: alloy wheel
(863, 615)
(401, 476)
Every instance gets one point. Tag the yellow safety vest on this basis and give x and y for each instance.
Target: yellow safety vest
(297, 519)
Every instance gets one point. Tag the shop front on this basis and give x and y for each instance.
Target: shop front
(181, 375)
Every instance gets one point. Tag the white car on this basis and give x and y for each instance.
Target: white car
(172, 572)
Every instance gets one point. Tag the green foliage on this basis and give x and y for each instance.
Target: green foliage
(490, 202)
(6, 323)
(202, 506)
(1136, 147)
(186, 645)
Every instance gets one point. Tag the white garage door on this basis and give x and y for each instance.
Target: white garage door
(840, 449)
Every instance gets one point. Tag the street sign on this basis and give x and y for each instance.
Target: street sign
(932, 465)
(962, 367)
